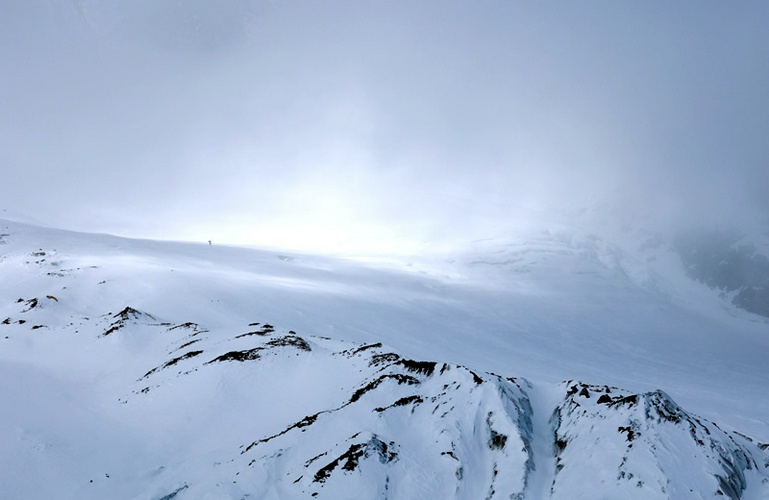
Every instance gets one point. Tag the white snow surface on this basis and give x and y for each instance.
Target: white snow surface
(555, 364)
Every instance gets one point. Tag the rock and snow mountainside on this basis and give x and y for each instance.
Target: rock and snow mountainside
(149, 370)
(723, 260)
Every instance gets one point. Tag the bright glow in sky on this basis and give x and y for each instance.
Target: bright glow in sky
(379, 126)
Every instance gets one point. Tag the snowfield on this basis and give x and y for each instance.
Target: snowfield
(555, 364)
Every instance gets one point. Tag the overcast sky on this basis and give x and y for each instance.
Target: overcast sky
(380, 125)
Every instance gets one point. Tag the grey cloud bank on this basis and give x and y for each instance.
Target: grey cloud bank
(380, 125)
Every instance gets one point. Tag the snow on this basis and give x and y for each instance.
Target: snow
(543, 401)
(103, 401)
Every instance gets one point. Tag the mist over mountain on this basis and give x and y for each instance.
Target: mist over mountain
(728, 262)
(381, 127)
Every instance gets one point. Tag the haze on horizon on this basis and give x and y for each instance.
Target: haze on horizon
(381, 126)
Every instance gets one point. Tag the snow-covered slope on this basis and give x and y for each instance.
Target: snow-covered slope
(139, 369)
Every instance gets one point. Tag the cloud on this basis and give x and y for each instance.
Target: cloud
(383, 124)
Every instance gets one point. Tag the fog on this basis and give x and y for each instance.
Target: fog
(381, 126)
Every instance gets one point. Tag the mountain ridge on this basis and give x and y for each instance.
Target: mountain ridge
(153, 351)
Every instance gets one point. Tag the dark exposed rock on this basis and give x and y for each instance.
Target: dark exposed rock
(245, 355)
(174, 493)
(263, 331)
(188, 324)
(384, 359)
(497, 440)
(290, 340)
(366, 347)
(30, 304)
(402, 402)
(305, 422)
(352, 456)
(187, 344)
(172, 362)
(629, 430)
(399, 378)
(478, 380)
(130, 313)
(124, 316)
(421, 367)
(626, 400)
